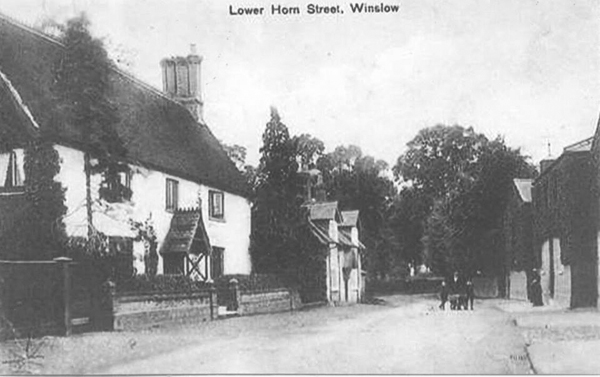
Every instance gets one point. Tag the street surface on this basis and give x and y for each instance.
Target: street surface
(408, 335)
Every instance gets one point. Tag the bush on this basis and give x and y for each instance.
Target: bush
(161, 283)
(254, 282)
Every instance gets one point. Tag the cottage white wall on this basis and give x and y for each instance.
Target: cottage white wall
(562, 278)
(72, 177)
(149, 200)
(545, 273)
(354, 235)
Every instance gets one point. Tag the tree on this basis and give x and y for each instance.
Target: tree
(82, 85)
(406, 220)
(464, 180)
(440, 159)
(308, 149)
(276, 214)
(237, 154)
(39, 234)
(359, 182)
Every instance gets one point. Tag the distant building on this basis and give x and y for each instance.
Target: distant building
(337, 268)
(565, 227)
(518, 238)
(333, 268)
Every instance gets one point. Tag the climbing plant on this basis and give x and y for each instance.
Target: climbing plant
(147, 234)
(82, 85)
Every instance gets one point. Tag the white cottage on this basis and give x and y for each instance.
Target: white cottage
(339, 242)
(183, 184)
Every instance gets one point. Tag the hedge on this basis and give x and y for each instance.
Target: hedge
(161, 283)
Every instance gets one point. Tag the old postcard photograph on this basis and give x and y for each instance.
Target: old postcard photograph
(201, 187)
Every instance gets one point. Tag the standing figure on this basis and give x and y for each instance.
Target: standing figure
(444, 295)
(470, 293)
(536, 290)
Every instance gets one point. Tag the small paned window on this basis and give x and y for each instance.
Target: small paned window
(216, 205)
(172, 202)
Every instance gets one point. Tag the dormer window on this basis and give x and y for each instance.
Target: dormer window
(11, 169)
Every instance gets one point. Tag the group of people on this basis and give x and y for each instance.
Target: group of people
(459, 292)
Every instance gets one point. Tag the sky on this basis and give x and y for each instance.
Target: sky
(526, 70)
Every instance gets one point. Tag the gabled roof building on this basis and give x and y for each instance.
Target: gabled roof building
(174, 158)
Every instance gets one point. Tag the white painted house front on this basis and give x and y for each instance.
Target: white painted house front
(230, 232)
(338, 234)
(177, 166)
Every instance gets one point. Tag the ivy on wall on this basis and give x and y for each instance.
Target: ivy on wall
(37, 231)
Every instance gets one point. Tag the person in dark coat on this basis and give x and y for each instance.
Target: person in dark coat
(536, 290)
(444, 295)
(470, 294)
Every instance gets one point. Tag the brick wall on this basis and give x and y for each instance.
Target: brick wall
(272, 301)
(134, 312)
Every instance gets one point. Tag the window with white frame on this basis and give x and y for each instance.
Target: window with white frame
(172, 195)
(216, 205)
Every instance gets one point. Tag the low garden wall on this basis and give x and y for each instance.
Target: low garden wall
(139, 311)
(272, 301)
(256, 294)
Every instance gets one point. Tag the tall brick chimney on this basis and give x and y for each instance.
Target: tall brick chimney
(181, 81)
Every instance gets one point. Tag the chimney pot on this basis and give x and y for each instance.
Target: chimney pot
(181, 81)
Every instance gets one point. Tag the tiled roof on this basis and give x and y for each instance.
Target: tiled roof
(157, 132)
(580, 146)
(350, 218)
(321, 232)
(346, 238)
(524, 188)
(187, 234)
(324, 211)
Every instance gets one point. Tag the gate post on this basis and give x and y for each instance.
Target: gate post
(66, 278)
(213, 300)
(234, 292)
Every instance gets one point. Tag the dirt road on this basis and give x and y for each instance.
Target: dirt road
(409, 335)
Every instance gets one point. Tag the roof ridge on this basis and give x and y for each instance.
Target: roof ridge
(30, 28)
(113, 66)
